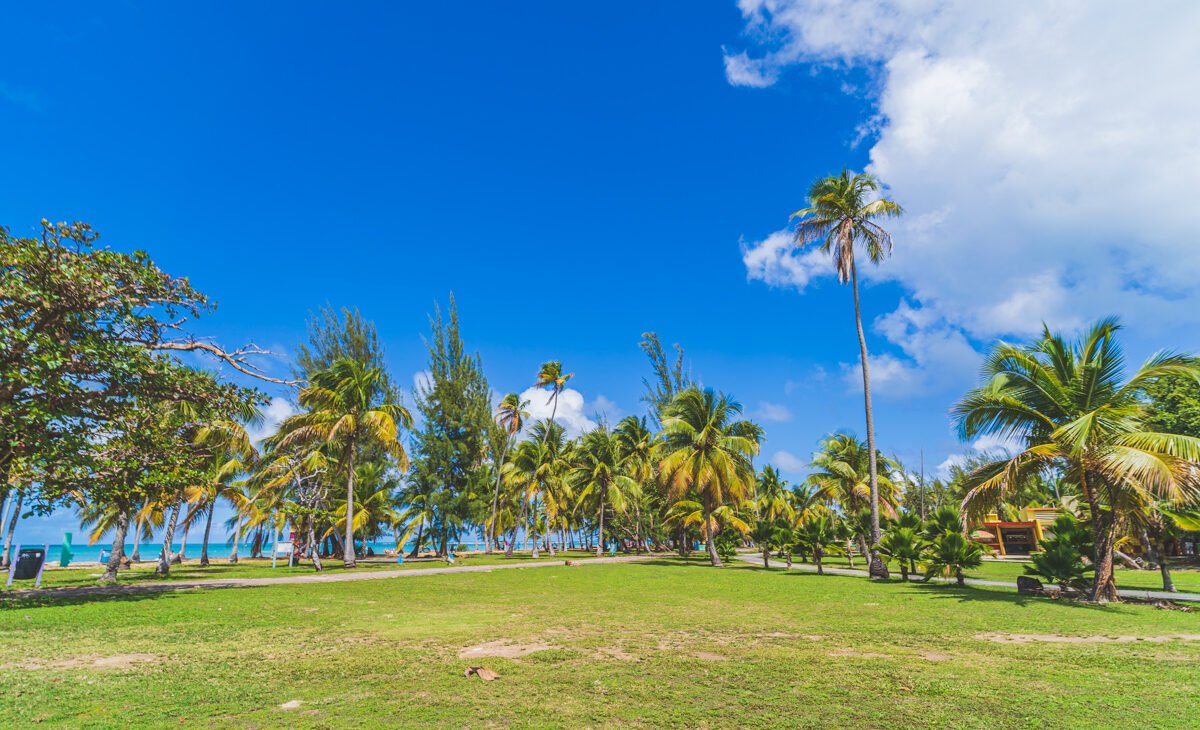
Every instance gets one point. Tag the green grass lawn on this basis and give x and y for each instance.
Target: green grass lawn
(55, 577)
(633, 645)
(1187, 578)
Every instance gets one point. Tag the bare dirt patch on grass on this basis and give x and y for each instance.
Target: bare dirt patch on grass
(116, 661)
(1099, 639)
(502, 648)
(708, 656)
(612, 652)
(858, 654)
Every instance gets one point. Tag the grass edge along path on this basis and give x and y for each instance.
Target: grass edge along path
(340, 577)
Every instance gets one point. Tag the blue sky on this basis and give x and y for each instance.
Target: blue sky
(577, 175)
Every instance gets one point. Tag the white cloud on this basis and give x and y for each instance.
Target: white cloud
(1027, 142)
(741, 70)
(768, 411)
(278, 410)
(789, 462)
(570, 413)
(992, 445)
(776, 261)
(606, 409)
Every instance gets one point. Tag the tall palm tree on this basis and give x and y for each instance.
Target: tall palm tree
(510, 415)
(551, 376)
(1069, 403)
(602, 472)
(706, 452)
(349, 407)
(842, 212)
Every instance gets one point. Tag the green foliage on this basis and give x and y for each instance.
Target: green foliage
(904, 545)
(951, 553)
(455, 434)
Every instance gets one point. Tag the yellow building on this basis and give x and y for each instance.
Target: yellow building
(1020, 537)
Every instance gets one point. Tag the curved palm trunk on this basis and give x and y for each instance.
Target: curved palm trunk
(532, 531)
(237, 538)
(207, 531)
(118, 549)
(348, 560)
(600, 522)
(18, 500)
(1167, 581)
(137, 540)
(180, 556)
(710, 542)
(1104, 587)
(164, 557)
(878, 568)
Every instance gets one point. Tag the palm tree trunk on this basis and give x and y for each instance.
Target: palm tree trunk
(766, 558)
(348, 552)
(600, 521)
(237, 538)
(877, 567)
(178, 558)
(710, 539)
(18, 500)
(118, 549)
(207, 530)
(1104, 587)
(1167, 581)
(818, 554)
(958, 576)
(531, 532)
(164, 557)
(137, 540)
(487, 534)
(850, 553)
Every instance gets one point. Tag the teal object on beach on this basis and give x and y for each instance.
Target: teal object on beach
(64, 558)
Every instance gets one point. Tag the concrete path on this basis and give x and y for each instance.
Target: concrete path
(339, 577)
(1125, 592)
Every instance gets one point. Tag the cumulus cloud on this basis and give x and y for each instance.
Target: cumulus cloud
(789, 462)
(276, 412)
(1027, 141)
(571, 413)
(776, 261)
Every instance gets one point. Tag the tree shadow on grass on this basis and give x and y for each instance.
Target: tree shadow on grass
(967, 594)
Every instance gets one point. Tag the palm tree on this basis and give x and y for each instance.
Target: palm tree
(950, 552)
(1069, 405)
(510, 415)
(536, 467)
(636, 443)
(772, 498)
(349, 407)
(819, 535)
(601, 472)
(769, 534)
(903, 544)
(842, 472)
(551, 376)
(705, 452)
(230, 452)
(842, 212)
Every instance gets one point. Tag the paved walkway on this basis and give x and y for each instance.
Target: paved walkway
(1125, 592)
(339, 577)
